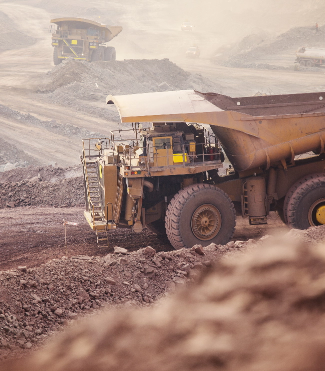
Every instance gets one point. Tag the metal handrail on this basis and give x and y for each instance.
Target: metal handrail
(128, 157)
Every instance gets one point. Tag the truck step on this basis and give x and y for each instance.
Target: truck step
(102, 238)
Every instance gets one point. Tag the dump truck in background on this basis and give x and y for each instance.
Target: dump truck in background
(310, 57)
(166, 171)
(83, 39)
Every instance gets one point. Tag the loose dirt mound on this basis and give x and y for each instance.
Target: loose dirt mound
(73, 82)
(10, 37)
(42, 186)
(11, 157)
(262, 310)
(122, 77)
(38, 300)
(259, 51)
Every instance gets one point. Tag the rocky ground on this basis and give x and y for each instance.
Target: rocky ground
(267, 51)
(82, 84)
(36, 301)
(37, 187)
(258, 308)
(48, 278)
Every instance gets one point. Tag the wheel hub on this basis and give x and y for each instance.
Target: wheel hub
(316, 213)
(320, 214)
(206, 222)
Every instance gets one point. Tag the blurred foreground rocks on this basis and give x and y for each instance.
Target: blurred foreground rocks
(261, 309)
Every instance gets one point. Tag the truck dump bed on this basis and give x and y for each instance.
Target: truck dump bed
(254, 131)
(108, 32)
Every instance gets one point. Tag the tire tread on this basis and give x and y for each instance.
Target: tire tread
(297, 192)
(174, 212)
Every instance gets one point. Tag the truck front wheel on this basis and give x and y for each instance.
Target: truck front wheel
(110, 53)
(98, 54)
(306, 202)
(200, 214)
(56, 59)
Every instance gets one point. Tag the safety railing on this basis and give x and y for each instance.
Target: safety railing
(128, 152)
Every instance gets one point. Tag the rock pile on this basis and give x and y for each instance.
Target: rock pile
(252, 48)
(42, 186)
(80, 84)
(36, 301)
(262, 310)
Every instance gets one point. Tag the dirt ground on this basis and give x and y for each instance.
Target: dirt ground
(32, 236)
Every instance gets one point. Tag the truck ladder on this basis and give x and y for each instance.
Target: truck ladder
(102, 238)
(94, 200)
(93, 190)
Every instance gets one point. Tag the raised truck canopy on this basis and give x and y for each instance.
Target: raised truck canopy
(110, 31)
(254, 131)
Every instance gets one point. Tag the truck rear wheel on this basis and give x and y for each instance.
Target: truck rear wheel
(110, 53)
(306, 202)
(56, 59)
(98, 54)
(200, 214)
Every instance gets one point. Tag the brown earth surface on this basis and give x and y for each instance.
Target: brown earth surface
(260, 308)
(33, 235)
(49, 274)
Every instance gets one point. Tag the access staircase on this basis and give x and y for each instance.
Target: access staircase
(95, 208)
(95, 212)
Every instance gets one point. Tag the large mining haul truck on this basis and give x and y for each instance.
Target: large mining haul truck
(165, 170)
(310, 57)
(82, 39)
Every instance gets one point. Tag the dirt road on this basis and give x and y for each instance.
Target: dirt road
(32, 236)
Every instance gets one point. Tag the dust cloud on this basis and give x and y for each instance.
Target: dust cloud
(152, 29)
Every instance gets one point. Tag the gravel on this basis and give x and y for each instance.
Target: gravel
(260, 307)
(82, 84)
(36, 301)
(42, 186)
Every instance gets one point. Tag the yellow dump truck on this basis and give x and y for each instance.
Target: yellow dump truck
(165, 170)
(82, 39)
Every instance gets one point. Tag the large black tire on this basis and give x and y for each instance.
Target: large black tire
(200, 214)
(288, 197)
(56, 59)
(98, 54)
(110, 53)
(305, 202)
